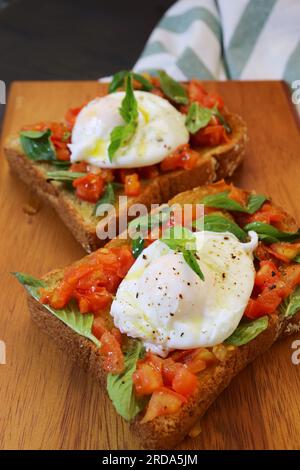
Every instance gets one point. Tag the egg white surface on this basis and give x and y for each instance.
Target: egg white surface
(161, 129)
(163, 302)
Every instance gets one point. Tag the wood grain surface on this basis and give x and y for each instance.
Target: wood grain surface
(46, 402)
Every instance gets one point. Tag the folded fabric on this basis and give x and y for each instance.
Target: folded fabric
(240, 39)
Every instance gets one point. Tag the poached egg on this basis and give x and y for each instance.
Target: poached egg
(163, 302)
(161, 129)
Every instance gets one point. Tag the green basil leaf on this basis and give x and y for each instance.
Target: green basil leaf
(61, 164)
(70, 315)
(137, 246)
(190, 258)
(222, 120)
(118, 81)
(148, 222)
(269, 234)
(120, 386)
(121, 135)
(297, 259)
(147, 86)
(218, 223)
(246, 332)
(290, 306)
(64, 175)
(37, 145)
(197, 118)
(183, 240)
(222, 201)
(172, 89)
(108, 197)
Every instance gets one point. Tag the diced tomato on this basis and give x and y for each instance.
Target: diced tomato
(89, 187)
(267, 214)
(112, 356)
(183, 157)
(271, 296)
(267, 275)
(199, 359)
(265, 304)
(197, 93)
(163, 402)
(107, 175)
(79, 167)
(98, 327)
(169, 370)
(93, 302)
(210, 136)
(184, 382)
(284, 251)
(71, 116)
(132, 185)
(146, 379)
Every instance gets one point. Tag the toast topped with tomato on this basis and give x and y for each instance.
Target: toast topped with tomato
(147, 138)
(168, 315)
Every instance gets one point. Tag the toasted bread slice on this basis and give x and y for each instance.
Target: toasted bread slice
(167, 431)
(214, 163)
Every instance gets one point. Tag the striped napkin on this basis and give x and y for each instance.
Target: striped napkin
(226, 39)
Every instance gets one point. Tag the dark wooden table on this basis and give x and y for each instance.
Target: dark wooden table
(73, 40)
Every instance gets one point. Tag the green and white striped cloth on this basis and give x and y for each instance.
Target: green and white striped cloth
(226, 39)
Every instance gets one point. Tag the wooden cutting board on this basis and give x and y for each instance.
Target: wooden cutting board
(46, 402)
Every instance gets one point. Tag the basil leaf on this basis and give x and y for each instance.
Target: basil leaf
(190, 258)
(297, 259)
(290, 306)
(118, 81)
(218, 223)
(222, 120)
(197, 118)
(269, 234)
(137, 246)
(146, 85)
(183, 240)
(64, 175)
(37, 145)
(63, 165)
(222, 201)
(148, 222)
(246, 332)
(121, 135)
(70, 315)
(172, 89)
(120, 387)
(108, 197)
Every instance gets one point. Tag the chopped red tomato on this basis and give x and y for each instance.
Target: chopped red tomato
(163, 402)
(132, 185)
(198, 359)
(184, 382)
(147, 379)
(93, 302)
(98, 327)
(267, 275)
(269, 299)
(210, 136)
(71, 116)
(169, 370)
(284, 251)
(79, 167)
(112, 356)
(89, 187)
(183, 157)
(196, 92)
(238, 195)
(267, 214)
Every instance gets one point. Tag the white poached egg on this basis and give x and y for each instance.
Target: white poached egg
(163, 302)
(161, 129)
